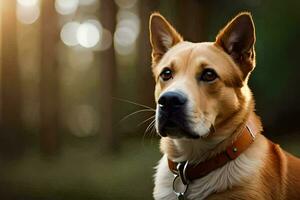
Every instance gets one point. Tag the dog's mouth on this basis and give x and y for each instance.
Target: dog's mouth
(175, 126)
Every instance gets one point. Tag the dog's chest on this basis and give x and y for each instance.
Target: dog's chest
(235, 173)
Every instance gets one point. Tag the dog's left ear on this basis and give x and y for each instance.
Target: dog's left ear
(238, 39)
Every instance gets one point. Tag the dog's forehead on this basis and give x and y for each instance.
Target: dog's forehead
(187, 54)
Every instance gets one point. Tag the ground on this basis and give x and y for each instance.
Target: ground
(81, 172)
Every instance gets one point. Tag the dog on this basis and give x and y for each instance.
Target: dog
(211, 138)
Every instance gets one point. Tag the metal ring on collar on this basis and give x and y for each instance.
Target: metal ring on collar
(181, 168)
(176, 189)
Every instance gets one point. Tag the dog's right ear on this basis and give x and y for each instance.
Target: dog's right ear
(162, 36)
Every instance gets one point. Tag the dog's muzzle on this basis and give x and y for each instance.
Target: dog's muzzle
(172, 117)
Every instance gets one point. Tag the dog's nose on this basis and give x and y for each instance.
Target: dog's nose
(172, 100)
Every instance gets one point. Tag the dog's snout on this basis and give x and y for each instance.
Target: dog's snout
(172, 100)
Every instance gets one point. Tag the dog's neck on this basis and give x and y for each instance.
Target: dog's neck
(198, 150)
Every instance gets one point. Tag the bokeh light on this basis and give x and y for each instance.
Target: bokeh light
(68, 33)
(105, 42)
(66, 7)
(124, 36)
(28, 3)
(96, 23)
(88, 34)
(87, 2)
(126, 3)
(127, 31)
(125, 15)
(28, 14)
(124, 50)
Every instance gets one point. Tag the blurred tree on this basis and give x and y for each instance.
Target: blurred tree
(193, 28)
(108, 78)
(49, 83)
(11, 138)
(143, 69)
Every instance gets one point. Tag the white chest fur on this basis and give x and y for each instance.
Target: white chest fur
(236, 172)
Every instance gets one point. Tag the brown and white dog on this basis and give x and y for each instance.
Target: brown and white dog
(205, 116)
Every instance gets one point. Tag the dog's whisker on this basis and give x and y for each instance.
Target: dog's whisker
(133, 103)
(151, 124)
(152, 132)
(146, 120)
(134, 113)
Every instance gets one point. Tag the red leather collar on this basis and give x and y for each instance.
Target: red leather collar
(189, 172)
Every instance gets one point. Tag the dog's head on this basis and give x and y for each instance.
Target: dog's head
(200, 85)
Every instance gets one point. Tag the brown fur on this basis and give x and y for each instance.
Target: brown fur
(226, 104)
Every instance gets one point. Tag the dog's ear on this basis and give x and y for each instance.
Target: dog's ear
(238, 39)
(162, 36)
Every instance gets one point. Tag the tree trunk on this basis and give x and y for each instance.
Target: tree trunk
(11, 138)
(145, 81)
(49, 84)
(108, 73)
(193, 27)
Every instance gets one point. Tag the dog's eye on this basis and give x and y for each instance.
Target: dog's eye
(208, 75)
(166, 74)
